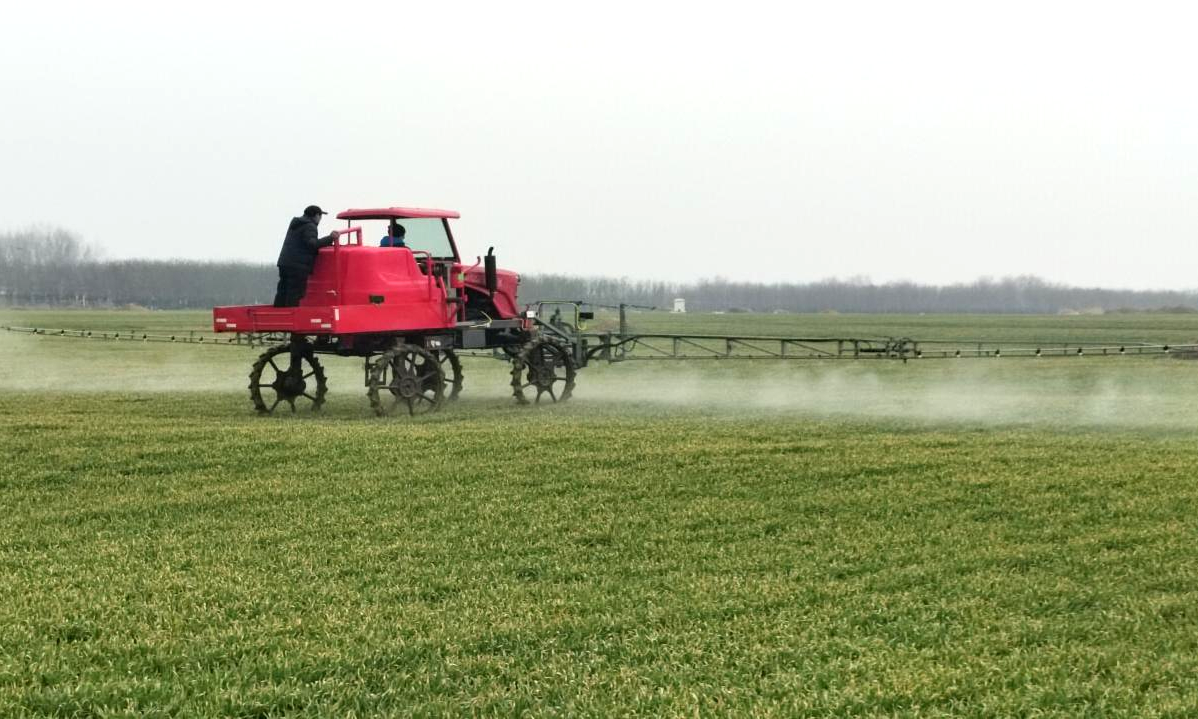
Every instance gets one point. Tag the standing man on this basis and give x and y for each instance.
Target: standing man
(299, 255)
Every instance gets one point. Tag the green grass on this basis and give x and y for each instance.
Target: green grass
(764, 539)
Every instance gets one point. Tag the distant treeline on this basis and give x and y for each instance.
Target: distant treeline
(54, 267)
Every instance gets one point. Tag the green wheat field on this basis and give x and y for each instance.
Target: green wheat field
(983, 537)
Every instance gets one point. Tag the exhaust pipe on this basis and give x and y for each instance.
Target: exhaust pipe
(489, 267)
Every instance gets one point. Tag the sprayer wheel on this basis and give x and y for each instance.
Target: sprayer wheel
(406, 377)
(545, 367)
(451, 368)
(273, 382)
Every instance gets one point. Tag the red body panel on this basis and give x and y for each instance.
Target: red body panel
(505, 291)
(361, 289)
(360, 271)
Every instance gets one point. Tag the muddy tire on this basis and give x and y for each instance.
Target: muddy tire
(543, 370)
(273, 382)
(406, 380)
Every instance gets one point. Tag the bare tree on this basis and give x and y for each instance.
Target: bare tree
(49, 265)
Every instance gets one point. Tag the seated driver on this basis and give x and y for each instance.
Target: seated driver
(394, 236)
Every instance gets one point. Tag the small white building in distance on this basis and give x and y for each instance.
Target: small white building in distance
(679, 304)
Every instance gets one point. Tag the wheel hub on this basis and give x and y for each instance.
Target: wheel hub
(290, 385)
(542, 377)
(407, 387)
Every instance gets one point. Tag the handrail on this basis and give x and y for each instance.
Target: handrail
(357, 230)
(428, 267)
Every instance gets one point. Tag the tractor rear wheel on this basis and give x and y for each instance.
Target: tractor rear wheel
(451, 367)
(273, 381)
(544, 367)
(406, 377)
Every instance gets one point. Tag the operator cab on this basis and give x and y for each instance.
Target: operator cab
(426, 231)
(480, 290)
(426, 234)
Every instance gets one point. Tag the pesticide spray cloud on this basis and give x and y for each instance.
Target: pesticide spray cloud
(1116, 392)
(1067, 392)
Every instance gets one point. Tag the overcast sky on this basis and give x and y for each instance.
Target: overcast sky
(936, 142)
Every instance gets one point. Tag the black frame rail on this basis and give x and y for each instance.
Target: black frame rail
(239, 339)
(615, 347)
(647, 347)
(655, 346)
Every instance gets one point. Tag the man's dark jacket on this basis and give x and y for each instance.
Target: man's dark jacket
(300, 245)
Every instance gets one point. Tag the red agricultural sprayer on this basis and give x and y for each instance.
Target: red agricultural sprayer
(408, 312)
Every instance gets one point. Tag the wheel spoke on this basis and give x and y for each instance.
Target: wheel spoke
(271, 360)
(309, 396)
(411, 407)
(309, 374)
(276, 404)
(551, 394)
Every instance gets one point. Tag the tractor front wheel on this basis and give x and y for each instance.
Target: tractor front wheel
(543, 369)
(406, 377)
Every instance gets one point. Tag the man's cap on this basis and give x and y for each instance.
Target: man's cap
(314, 210)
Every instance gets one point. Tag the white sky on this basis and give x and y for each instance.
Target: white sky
(937, 142)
